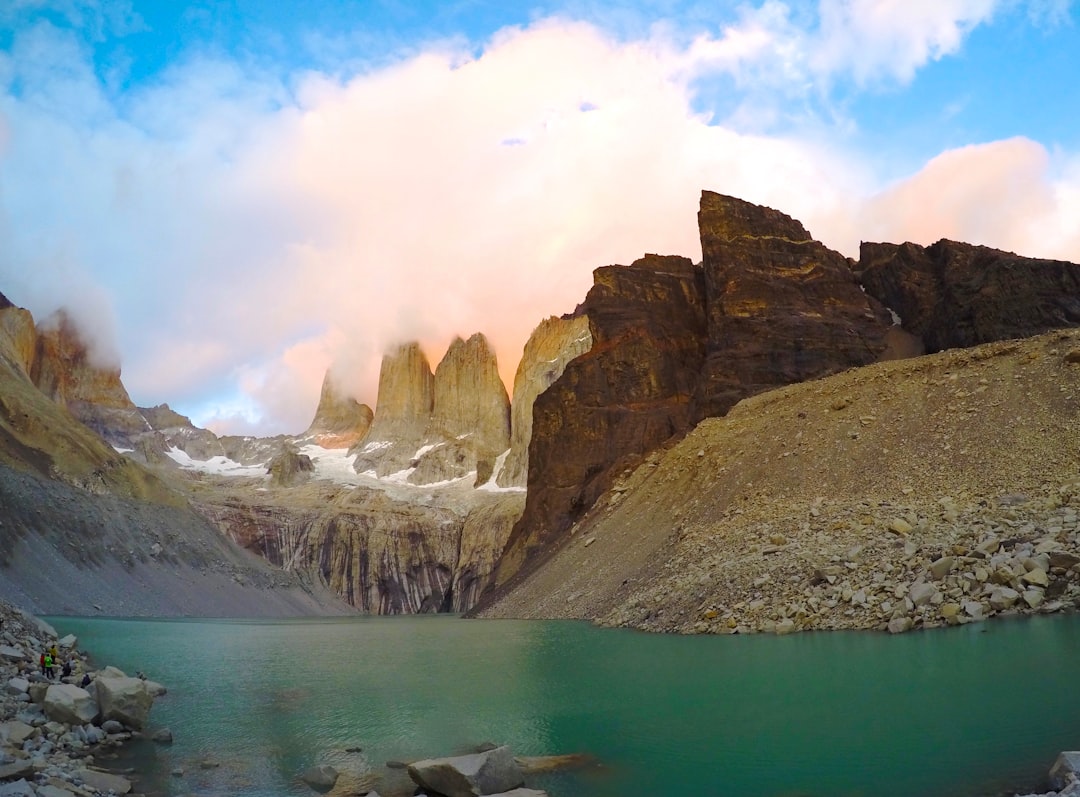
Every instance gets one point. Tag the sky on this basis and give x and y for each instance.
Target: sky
(231, 198)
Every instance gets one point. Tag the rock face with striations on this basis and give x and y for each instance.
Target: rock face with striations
(782, 307)
(956, 294)
(402, 412)
(674, 343)
(554, 343)
(340, 421)
(470, 419)
(437, 427)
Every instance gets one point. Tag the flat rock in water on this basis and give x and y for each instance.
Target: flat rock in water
(320, 778)
(1066, 769)
(104, 781)
(490, 772)
(550, 763)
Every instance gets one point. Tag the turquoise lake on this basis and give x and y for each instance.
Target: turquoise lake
(972, 711)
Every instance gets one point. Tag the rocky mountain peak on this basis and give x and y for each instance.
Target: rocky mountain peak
(723, 218)
(402, 412)
(470, 398)
(64, 371)
(554, 343)
(340, 421)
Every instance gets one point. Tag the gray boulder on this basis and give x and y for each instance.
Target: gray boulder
(124, 699)
(17, 686)
(16, 732)
(69, 704)
(104, 781)
(490, 772)
(8, 653)
(19, 788)
(1066, 770)
(320, 778)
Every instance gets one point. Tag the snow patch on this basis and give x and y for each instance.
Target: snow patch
(377, 445)
(491, 485)
(220, 465)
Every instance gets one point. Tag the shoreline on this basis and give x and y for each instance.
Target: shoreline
(55, 730)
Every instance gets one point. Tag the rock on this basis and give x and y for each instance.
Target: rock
(522, 792)
(551, 763)
(340, 421)
(490, 772)
(22, 768)
(1002, 598)
(155, 689)
(402, 412)
(900, 526)
(70, 704)
(1036, 578)
(126, 700)
(112, 726)
(321, 777)
(899, 625)
(1033, 598)
(68, 641)
(941, 568)
(19, 788)
(290, 468)
(1066, 770)
(921, 594)
(9, 653)
(954, 294)
(785, 626)
(104, 781)
(17, 686)
(163, 736)
(1063, 559)
(949, 610)
(15, 732)
(554, 343)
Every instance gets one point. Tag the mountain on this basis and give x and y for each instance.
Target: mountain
(85, 529)
(915, 493)
(340, 421)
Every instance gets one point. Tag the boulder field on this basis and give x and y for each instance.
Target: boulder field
(53, 728)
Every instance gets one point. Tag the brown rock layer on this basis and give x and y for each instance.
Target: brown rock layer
(956, 294)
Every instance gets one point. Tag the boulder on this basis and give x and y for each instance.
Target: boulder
(1002, 598)
(9, 653)
(68, 641)
(19, 788)
(922, 593)
(23, 768)
(490, 772)
(15, 732)
(17, 686)
(899, 625)
(104, 781)
(125, 700)
(941, 568)
(321, 777)
(70, 704)
(1066, 769)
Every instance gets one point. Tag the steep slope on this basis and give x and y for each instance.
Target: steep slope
(85, 529)
(340, 421)
(902, 494)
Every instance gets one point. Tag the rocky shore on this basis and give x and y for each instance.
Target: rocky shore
(54, 732)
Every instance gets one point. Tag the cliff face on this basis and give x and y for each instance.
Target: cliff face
(340, 421)
(402, 412)
(554, 343)
(674, 343)
(956, 294)
(782, 307)
(62, 369)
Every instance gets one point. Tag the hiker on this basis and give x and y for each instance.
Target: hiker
(41, 661)
(66, 671)
(49, 665)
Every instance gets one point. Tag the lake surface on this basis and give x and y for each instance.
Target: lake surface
(977, 710)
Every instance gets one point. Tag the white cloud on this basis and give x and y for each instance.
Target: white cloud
(249, 234)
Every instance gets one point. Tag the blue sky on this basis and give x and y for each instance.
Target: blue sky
(233, 197)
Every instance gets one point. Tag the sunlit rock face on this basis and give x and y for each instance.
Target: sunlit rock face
(340, 421)
(470, 421)
(554, 343)
(956, 294)
(62, 369)
(18, 336)
(402, 413)
(781, 307)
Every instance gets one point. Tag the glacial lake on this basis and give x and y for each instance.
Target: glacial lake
(973, 711)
